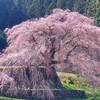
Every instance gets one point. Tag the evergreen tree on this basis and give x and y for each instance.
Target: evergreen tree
(13, 12)
(61, 4)
(97, 15)
(79, 6)
(51, 6)
(3, 42)
(90, 7)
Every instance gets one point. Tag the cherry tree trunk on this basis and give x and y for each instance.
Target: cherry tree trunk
(28, 82)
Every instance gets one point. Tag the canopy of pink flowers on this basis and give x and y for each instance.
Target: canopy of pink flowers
(21, 45)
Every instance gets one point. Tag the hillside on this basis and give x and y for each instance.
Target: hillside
(15, 11)
(63, 39)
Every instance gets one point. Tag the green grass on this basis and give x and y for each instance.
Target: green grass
(7, 98)
(81, 85)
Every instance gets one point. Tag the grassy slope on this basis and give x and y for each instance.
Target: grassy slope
(80, 85)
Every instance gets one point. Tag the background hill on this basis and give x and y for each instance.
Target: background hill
(13, 12)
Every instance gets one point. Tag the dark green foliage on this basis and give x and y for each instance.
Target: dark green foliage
(80, 6)
(90, 7)
(13, 12)
(51, 6)
(97, 15)
(3, 42)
